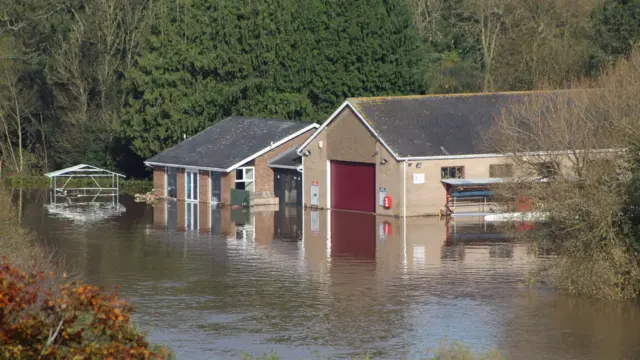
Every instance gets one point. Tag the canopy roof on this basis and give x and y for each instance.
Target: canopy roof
(470, 182)
(486, 181)
(289, 159)
(82, 169)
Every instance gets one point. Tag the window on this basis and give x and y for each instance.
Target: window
(245, 177)
(216, 187)
(191, 185)
(547, 169)
(172, 180)
(191, 216)
(500, 170)
(452, 172)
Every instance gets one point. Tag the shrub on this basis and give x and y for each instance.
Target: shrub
(586, 140)
(42, 320)
(129, 186)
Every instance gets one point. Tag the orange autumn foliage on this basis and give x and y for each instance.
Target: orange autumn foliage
(39, 320)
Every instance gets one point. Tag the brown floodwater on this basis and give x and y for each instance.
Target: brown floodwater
(214, 284)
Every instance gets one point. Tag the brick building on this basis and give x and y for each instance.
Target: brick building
(231, 163)
(416, 151)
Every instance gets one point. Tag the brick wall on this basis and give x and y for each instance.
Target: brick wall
(180, 182)
(264, 174)
(389, 176)
(315, 169)
(227, 182)
(159, 181)
(349, 140)
(204, 183)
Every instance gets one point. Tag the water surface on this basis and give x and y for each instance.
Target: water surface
(217, 283)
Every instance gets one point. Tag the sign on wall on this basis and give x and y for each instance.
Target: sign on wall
(315, 194)
(382, 193)
(418, 178)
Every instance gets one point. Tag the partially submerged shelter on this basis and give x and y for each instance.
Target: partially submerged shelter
(84, 183)
(239, 156)
(404, 149)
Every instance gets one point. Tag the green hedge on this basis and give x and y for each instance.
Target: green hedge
(38, 182)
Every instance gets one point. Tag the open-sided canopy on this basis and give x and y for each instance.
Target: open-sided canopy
(487, 181)
(473, 182)
(83, 170)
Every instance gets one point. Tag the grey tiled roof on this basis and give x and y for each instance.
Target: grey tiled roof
(288, 159)
(414, 126)
(228, 142)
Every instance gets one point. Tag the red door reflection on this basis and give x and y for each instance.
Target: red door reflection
(353, 234)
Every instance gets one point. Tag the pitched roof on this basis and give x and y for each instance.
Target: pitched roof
(289, 159)
(230, 142)
(81, 169)
(434, 125)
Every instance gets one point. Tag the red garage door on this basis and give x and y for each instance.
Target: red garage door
(353, 186)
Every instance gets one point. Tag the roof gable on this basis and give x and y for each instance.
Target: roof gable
(230, 143)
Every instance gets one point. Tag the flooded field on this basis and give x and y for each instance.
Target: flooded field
(218, 283)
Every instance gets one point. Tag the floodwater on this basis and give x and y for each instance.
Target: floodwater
(214, 284)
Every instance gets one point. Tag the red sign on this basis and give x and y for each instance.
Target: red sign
(314, 183)
(387, 202)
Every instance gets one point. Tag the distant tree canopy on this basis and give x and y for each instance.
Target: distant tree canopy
(209, 59)
(110, 82)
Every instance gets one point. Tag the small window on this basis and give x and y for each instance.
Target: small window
(500, 170)
(452, 172)
(547, 169)
(172, 182)
(245, 177)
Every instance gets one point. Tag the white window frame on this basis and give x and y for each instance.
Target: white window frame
(244, 177)
(186, 185)
(194, 208)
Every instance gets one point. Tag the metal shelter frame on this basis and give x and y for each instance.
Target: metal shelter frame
(84, 192)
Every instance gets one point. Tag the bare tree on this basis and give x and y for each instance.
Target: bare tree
(581, 141)
(89, 62)
(545, 41)
(427, 15)
(490, 19)
(17, 105)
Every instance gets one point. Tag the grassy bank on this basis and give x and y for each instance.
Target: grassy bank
(127, 186)
(17, 244)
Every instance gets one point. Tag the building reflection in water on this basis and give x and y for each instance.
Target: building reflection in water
(241, 224)
(391, 242)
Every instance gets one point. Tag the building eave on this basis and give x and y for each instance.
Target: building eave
(189, 167)
(499, 155)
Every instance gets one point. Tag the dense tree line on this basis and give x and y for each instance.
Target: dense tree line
(110, 82)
